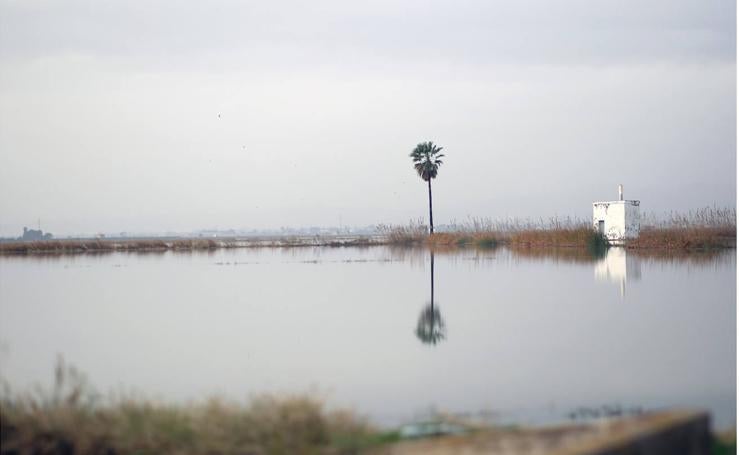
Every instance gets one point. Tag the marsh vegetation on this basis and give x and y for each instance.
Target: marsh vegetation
(72, 418)
(705, 228)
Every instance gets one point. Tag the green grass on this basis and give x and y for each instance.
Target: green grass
(724, 443)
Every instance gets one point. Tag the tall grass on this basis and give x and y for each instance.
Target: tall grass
(705, 217)
(101, 245)
(690, 238)
(489, 233)
(415, 232)
(73, 419)
(510, 225)
(705, 228)
(180, 245)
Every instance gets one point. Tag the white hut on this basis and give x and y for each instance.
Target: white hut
(618, 220)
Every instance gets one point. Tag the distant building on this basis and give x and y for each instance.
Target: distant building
(33, 234)
(618, 220)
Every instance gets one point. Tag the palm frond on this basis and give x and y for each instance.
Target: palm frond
(426, 159)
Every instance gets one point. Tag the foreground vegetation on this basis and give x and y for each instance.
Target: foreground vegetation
(73, 419)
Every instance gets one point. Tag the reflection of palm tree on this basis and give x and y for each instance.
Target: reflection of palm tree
(431, 327)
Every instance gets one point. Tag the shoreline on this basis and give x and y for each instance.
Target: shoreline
(652, 240)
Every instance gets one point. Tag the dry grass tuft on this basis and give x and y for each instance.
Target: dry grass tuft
(73, 419)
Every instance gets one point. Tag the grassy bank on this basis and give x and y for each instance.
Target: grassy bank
(475, 235)
(73, 419)
(162, 245)
(651, 238)
(101, 245)
(703, 229)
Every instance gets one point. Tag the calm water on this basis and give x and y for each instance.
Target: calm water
(522, 337)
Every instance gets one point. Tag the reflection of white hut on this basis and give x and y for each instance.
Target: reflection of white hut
(617, 267)
(618, 220)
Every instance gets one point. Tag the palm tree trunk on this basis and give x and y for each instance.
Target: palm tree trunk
(431, 211)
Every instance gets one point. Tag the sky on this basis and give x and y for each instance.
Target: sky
(179, 115)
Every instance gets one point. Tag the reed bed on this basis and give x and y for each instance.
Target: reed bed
(567, 237)
(713, 217)
(51, 247)
(73, 419)
(705, 228)
(488, 233)
(415, 232)
(685, 238)
(101, 245)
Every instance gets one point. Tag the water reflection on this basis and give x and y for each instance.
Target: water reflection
(680, 320)
(566, 255)
(617, 267)
(431, 328)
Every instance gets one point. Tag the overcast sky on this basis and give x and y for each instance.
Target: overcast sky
(109, 110)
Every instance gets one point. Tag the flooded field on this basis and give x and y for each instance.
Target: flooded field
(524, 337)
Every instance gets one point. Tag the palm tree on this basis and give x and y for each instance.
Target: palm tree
(427, 159)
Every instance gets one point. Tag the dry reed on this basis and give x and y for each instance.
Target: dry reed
(706, 228)
(73, 419)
